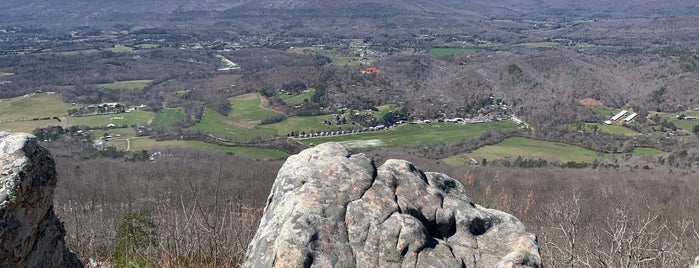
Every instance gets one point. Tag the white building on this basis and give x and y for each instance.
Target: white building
(619, 115)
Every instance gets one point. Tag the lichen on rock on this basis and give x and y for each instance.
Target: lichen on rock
(331, 208)
(30, 233)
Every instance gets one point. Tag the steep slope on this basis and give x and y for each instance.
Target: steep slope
(30, 233)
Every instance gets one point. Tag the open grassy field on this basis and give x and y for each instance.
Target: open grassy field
(530, 148)
(129, 84)
(243, 122)
(614, 129)
(443, 51)
(147, 46)
(297, 99)
(537, 44)
(120, 49)
(33, 106)
(132, 118)
(250, 107)
(78, 52)
(410, 134)
(611, 129)
(242, 129)
(28, 126)
(149, 144)
(300, 124)
(606, 111)
(168, 117)
(684, 124)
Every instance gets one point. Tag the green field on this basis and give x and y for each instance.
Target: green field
(415, 134)
(297, 99)
(168, 117)
(243, 129)
(299, 124)
(33, 106)
(129, 84)
(606, 112)
(242, 121)
(534, 149)
(614, 129)
(149, 144)
(611, 129)
(77, 52)
(137, 117)
(443, 51)
(537, 44)
(120, 49)
(27, 126)
(147, 46)
(685, 124)
(250, 107)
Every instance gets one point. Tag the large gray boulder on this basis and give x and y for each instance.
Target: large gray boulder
(30, 233)
(329, 208)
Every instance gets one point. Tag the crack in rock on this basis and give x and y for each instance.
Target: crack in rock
(389, 216)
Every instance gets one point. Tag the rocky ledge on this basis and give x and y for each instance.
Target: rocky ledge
(30, 233)
(330, 208)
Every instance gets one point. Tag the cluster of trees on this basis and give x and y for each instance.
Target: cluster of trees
(187, 208)
(207, 206)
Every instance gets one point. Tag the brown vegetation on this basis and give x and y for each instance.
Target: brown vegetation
(205, 208)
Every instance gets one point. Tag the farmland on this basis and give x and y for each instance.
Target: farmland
(297, 99)
(168, 117)
(451, 51)
(535, 149)
(537, 44)
(415, 134)
(130, 84)
(685, 124)
(149, 144)
(33, 106)
(133, 118)
(611, 129)
(120, 49)
(243, 122)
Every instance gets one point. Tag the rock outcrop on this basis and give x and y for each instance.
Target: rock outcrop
(30, 233)
(329, 208)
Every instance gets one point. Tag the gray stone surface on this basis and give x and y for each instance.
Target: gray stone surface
(30, 233)
(329, 208)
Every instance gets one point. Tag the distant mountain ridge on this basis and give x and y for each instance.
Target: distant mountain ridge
(80, 12)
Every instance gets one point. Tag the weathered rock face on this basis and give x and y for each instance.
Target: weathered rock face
(30, 233)
(329, 208)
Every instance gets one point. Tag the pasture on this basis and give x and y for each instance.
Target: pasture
(685, 124)
(137, 117)
(416, 134)
(147, 46)
(30, 106)
(168, 117)
(297, 99)
(536, 149)
(120, 49)
(444, 51)
(129, 84)
(138, 144)
(537, 44)
(611, 129)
